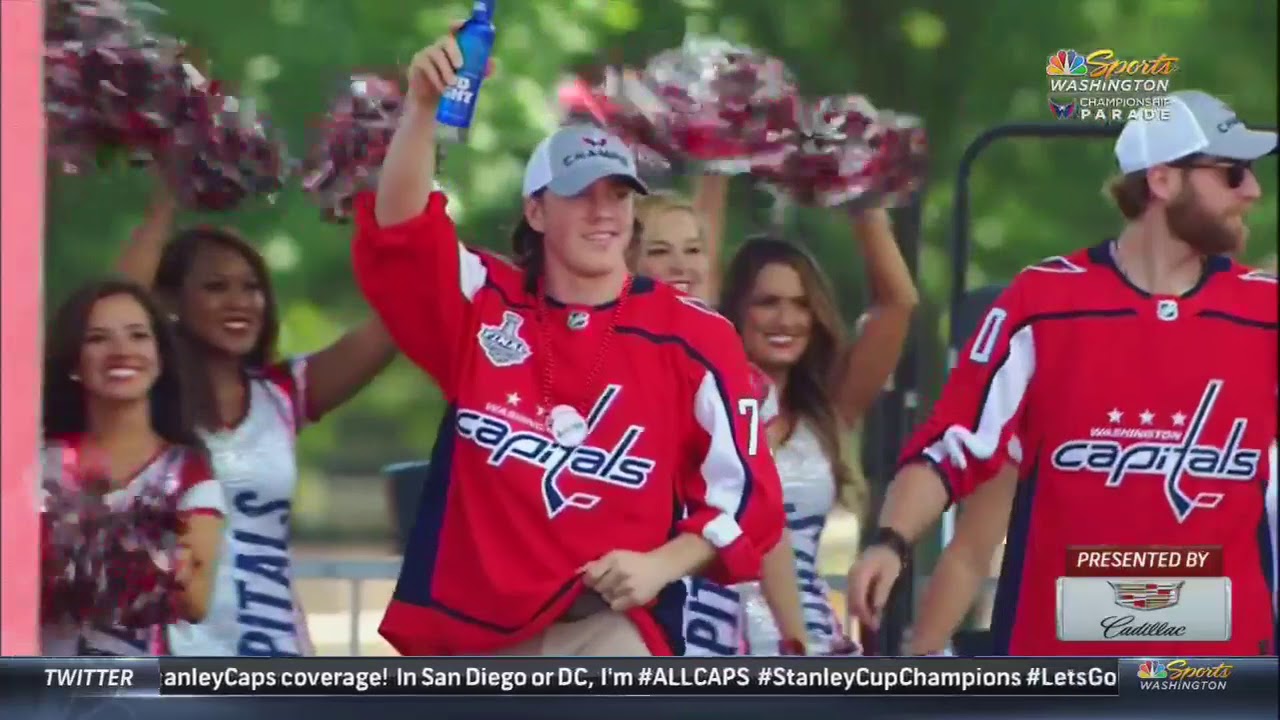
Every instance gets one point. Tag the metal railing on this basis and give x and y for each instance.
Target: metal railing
(355, 573)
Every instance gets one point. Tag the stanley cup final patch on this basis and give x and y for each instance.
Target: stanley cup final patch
(502, 344)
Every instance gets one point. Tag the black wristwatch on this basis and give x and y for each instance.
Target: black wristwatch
(892, 539)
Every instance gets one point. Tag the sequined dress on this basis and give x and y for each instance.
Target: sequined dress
(737, 620)
(253, 611)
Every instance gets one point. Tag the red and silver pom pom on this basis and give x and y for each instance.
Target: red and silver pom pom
(108, 82)
(222, 152)
(843, 151)
(109, 566)
(900, 156)
(716, 102)
(353, 142)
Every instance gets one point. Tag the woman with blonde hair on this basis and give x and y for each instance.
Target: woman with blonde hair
(820, 386)
(680, 237)
(218, 292)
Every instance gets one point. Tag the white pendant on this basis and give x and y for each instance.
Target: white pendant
(567, 426)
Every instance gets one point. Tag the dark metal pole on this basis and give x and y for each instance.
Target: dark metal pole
(897, 417)
(960, 217)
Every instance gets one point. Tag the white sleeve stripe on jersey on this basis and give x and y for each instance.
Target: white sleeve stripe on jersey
(204, 495)
(472, 273)
(1008, 387)
(1270, 496)
(723, 471)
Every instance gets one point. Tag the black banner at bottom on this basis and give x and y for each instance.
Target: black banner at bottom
(675, 689)
(598, 677)
(189, 677)
(623, 677)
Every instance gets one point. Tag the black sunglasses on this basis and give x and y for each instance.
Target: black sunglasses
(1236, 170)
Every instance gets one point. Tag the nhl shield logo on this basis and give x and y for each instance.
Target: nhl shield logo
(1146, 596)
(502, 344)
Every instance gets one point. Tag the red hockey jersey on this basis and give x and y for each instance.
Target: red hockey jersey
(1143, 420)
(675, 441)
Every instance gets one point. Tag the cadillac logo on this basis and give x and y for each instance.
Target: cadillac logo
(1146, 596)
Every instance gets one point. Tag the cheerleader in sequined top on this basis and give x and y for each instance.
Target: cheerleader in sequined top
(220, 294)
(782, 305)
(114, 405)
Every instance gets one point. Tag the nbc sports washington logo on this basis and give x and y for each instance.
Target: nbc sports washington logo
(1104, 86)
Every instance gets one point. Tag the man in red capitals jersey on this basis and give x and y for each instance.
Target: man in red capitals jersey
(602, 438)
(1140, 377)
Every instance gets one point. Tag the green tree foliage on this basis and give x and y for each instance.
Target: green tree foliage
(961, 67)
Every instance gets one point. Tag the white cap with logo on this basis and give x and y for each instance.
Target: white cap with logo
(1198, 124)
(573, 157)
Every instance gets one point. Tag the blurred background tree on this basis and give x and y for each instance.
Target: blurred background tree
(961, 69)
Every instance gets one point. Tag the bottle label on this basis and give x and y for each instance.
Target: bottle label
(460, 92)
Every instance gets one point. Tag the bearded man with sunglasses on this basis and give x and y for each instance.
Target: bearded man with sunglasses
(1140, 377)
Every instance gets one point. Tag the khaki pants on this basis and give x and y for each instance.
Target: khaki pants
(604, 634)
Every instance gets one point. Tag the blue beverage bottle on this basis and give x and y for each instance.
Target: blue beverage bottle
(458, 104)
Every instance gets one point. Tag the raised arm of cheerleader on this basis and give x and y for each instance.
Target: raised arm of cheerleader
(141, 255)
(336, 373)
(710, 195)
(873, 355)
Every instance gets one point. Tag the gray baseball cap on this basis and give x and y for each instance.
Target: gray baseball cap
(573, 157)
(1198, 124)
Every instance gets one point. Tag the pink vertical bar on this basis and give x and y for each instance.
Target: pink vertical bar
(21, 248)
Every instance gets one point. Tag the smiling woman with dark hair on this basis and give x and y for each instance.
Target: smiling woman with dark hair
(115, 404)
(217, 288)
(816, 385)
(825, 381)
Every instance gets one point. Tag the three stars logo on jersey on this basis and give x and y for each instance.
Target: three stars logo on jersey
(1171, 455)
(616, 465)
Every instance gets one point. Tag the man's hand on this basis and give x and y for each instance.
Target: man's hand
(626, 579)
(871, 579)
(434, 69)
